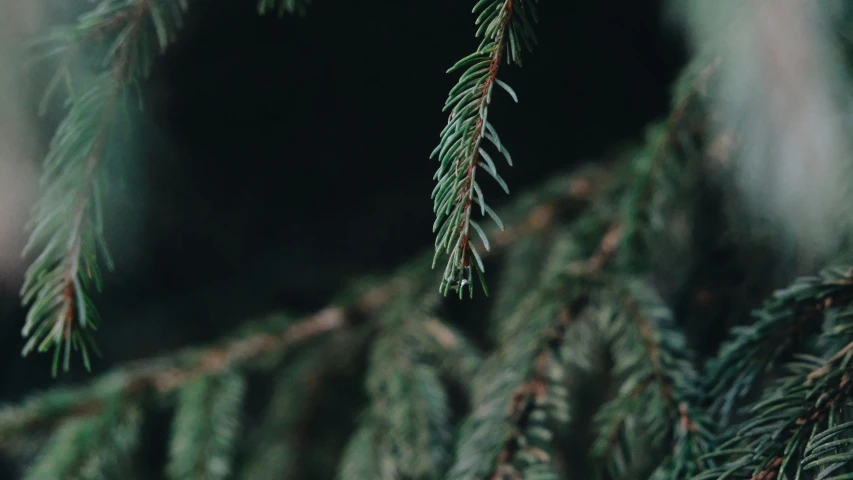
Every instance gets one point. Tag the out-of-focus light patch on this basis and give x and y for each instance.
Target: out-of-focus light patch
(18, 183)
(782, 87)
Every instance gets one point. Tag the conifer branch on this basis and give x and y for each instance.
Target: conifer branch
(359, 460)
(503, 23)
(657, 401)
(90, 448)
(800, 428)
(521, 268)
(205, 427)
(275, 451)
(67, 222)
(409, 413)
(532, 212)
(277, 446)
(778, 327)
(521, 397)
(163, 376)
(539, 258)
(660, 177)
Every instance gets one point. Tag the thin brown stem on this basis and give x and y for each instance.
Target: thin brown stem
(466, 194)
(161, 377)
(67, 318)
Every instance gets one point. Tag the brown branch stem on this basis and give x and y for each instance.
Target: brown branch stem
(161, 377)
(466, 194)
(529, 395)
(67, 320)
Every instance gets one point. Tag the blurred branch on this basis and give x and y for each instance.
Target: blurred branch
(160, 376)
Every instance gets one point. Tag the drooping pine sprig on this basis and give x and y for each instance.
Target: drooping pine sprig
(108, 51)
(461, 152)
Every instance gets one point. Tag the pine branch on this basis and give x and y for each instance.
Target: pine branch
(67, 222)
(778, 328)
(90, 448)
(658, 394)
(162, 376)
(409, 411)
(661, 178)
(519, 272)
(275, 449)
(521, 397)
(531, 212)
(801, 428)
(539, 258)
(359, 460)
(502, 23)
(205, 428)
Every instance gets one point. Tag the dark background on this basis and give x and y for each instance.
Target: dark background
(281, 158)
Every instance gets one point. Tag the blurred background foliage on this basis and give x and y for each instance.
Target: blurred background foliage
(278, 159)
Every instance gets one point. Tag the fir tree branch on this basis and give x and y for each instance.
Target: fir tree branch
(90, 448)
(521, 396)
(205, 427)
(660, 176)
(67, 222)
(658, 392)
(539, 257)
(521, 268)
(799, 428)
(409, 413)
(532, 212)
(502, 23)
(791, 313)
(163, 376)
(359, 459)
(276, 448)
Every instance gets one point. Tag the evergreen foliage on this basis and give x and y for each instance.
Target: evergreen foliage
(502, 24)
(206, 415)
(591, 265)
(100, 61)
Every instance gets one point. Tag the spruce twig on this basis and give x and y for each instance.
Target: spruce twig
(408, 415)
(67, 222)
(521, 398)
(503, 23)
(277, 446)
(205, 426)
(90, 448)
(655, 413)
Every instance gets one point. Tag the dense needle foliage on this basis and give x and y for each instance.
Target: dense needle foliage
(593, 363)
